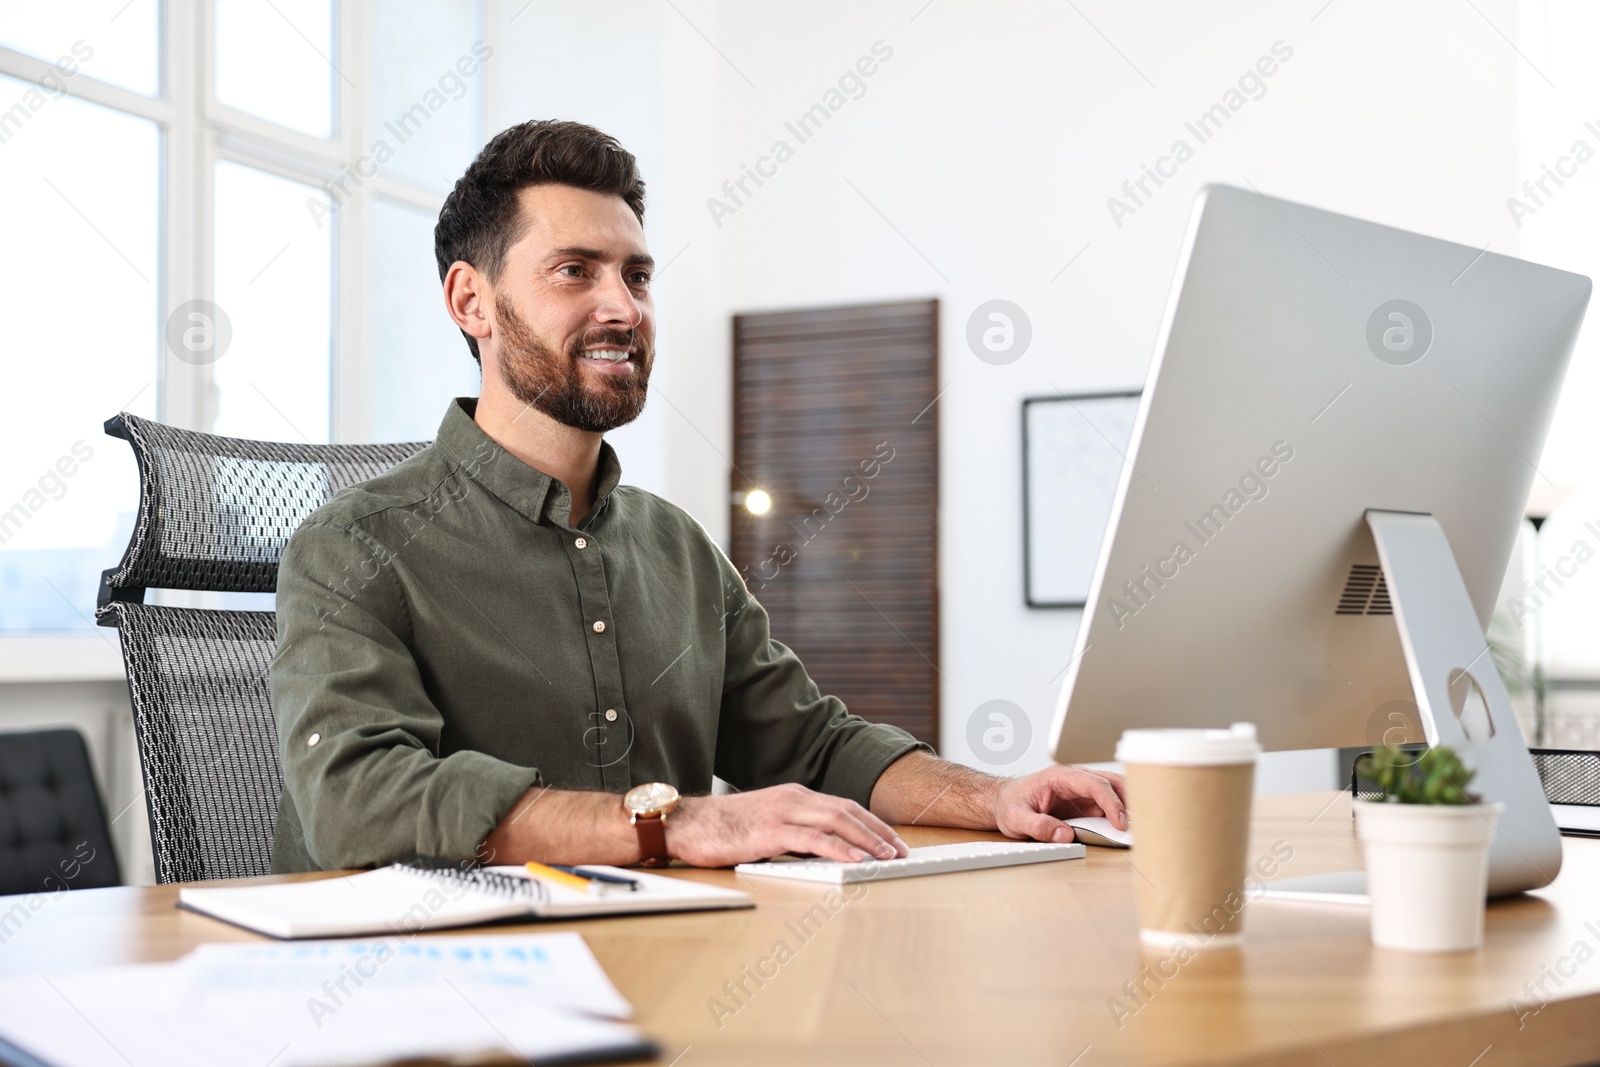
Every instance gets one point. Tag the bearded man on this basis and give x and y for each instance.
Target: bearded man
(496, 650)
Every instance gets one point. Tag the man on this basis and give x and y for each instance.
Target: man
(482, 648)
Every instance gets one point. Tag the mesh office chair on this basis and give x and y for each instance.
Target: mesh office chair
(215, 513)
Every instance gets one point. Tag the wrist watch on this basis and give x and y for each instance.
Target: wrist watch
(648, 807)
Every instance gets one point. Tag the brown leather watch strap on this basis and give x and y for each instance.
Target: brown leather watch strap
(652, 831)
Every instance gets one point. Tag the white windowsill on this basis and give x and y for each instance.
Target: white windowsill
(87, 657)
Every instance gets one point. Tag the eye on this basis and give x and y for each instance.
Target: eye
(639, 277)
(567, 268)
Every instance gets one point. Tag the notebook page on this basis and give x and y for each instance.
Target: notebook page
(656, 893)
(386, 900)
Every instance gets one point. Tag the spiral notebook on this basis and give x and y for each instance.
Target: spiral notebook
(410, 897)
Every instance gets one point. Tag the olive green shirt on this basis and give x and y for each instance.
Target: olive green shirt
(447, 640)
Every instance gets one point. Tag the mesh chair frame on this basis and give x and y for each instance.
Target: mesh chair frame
(208, 743)
(215, 514)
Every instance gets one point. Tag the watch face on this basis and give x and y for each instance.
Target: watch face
(653, 796)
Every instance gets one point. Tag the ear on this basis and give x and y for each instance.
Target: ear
(467, 296)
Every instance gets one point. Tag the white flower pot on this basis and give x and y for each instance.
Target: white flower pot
(1427, 872)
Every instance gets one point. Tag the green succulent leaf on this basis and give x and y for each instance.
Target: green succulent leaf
(1436, 776)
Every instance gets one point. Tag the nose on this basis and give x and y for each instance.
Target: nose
(617, 308)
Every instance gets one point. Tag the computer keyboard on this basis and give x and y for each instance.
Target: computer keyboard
(931, 859)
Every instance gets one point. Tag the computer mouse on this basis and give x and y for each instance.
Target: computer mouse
(1097, 830)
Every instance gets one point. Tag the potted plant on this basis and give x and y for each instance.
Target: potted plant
(1426, 842)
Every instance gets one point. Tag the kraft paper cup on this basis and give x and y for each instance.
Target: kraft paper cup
(1190, 791)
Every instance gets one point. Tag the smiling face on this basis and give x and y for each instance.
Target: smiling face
(572, 323)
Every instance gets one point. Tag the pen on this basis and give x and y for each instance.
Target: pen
(560, 877)
(600, 876)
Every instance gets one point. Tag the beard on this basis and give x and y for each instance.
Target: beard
(553, 382)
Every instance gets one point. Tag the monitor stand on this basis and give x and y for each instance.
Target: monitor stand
(1463, 704)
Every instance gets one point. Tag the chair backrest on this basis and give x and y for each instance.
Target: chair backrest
(215, 513)
(53, 831)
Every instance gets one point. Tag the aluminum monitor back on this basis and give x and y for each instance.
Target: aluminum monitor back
(1310, 367)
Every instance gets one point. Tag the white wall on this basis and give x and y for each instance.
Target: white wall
(976, 165)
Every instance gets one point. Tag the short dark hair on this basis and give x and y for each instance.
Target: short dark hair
(480, 221)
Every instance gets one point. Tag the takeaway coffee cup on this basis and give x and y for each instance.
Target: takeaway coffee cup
(1190, 792)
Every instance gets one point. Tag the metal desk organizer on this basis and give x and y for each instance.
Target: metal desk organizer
(1569, 776)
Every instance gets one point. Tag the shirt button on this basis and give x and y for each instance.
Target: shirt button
(611, 715)
(599, 626)
(581, 542)
(313, 739)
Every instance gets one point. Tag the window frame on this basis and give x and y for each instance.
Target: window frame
(195, 133)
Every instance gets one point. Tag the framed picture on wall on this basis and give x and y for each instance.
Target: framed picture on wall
(1073, 451)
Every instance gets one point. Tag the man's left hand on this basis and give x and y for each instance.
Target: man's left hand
(1033, 807)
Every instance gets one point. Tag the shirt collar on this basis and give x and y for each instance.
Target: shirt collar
(532, 492)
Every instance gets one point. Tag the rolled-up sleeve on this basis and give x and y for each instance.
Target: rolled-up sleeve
(776, 726)
(358, 733)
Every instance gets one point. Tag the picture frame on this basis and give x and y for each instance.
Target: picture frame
(1074, 446)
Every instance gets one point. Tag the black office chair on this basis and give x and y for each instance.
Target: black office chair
(215, 513)
(53, 831)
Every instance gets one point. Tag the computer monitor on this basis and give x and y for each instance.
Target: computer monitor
(1324, 387)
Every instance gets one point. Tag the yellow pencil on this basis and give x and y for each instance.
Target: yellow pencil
(550, 874)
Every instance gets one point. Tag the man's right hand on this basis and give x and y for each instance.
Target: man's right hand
(720, 831)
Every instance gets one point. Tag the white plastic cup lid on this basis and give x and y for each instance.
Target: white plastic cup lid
(1190, 748)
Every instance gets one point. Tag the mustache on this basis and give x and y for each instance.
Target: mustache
(605, 335)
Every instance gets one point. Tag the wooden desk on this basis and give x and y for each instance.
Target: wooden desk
(1021, 966)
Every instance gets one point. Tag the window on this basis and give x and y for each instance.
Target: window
(234, 237)
(417, 352)
(273, 382)
(78, 345)
(1556, 206)
(276, 61)
(116, 42)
